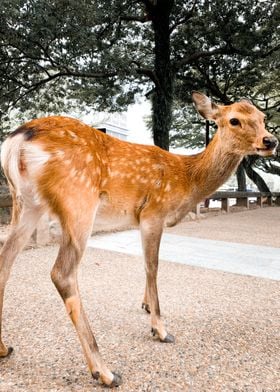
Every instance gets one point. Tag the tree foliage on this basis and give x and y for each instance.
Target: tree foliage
(55, 55)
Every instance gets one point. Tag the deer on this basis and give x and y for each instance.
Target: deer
(63, 167)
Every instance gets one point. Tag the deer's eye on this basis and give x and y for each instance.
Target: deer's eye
(234, 121)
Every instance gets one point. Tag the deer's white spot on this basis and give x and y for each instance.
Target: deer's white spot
(157, 166)
(60, 153)
(83, 177)
(72, 135)
(115, 174)
(89, 158)
(73, 172)
(104, 182)
(157, 183)
(167, 187)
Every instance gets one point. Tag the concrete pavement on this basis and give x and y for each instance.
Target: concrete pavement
(252, 260)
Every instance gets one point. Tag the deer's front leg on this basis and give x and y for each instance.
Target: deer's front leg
(151, 231)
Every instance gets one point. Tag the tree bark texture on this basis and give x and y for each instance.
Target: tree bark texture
(241, 178)
(163, 93)
(253, 175)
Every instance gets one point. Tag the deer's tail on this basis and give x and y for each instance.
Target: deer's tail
(10, 161)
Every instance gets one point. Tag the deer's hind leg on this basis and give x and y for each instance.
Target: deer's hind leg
(76, 227)
(22, 230)
(146, 301)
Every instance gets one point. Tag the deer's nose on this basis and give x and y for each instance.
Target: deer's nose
(270, 142)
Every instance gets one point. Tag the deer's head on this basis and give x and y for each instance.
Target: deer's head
(241, 125)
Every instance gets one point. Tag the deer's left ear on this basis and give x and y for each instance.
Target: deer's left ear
(204, 105)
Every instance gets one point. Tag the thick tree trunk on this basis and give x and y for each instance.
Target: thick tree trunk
(241, 178)
(253, 175)
(163, 94)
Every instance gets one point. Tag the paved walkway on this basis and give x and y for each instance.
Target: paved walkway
(253, 260)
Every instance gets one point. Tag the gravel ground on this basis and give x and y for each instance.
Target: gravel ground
(226, 326)
(259, 226)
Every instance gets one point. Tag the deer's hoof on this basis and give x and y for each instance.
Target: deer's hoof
(146, 307)
(168, 339)
(9, 352)
(117, 380)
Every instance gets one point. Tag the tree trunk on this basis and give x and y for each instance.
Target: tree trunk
(253, 175)
(207, 133)
(163, 95)
(241, 178)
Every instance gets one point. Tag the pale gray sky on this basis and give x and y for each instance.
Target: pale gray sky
(138, 132)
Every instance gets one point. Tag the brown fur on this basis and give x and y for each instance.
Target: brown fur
(65, 167)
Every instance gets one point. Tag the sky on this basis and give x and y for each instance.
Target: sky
(138, 132)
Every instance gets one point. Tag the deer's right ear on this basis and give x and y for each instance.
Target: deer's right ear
(204, 105)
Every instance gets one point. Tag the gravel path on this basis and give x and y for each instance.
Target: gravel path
(259, 226)
(226, 326)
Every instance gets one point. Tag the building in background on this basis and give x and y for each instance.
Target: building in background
(113, 124)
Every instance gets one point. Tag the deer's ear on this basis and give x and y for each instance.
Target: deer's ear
(204, 105)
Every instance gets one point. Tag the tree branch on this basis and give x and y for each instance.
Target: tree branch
(146, 71)
(184, 19)
(135, 18)
(67, 73)
(198, 55)
(244, 52)
(213, 86)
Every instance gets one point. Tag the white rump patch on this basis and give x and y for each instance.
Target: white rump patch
(34, 157)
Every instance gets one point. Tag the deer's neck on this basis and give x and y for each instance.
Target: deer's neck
(208, 170)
